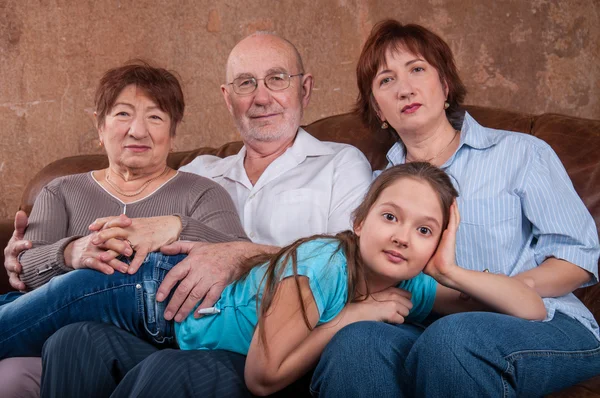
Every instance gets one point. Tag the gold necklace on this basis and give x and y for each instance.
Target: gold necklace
(456, 132)
(139, 191)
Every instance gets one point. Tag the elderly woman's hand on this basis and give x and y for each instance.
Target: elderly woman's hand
(144, 234)
(83, 253)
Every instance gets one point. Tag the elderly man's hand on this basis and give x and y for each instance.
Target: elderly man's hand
(16, 245)
(204, 273)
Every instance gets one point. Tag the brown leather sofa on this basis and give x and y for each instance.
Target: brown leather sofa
(575, 140)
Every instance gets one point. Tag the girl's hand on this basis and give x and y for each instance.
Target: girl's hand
(390, 305)
(83, 253)
(145, 235)
(443, 261)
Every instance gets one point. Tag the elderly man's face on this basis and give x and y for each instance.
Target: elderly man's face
(266, 115)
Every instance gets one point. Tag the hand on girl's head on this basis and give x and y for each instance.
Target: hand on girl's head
(443, 260)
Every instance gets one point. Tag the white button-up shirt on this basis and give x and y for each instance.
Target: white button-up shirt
(312, 188)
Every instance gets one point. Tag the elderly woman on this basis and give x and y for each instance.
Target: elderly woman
(520, 217)
(138, 109)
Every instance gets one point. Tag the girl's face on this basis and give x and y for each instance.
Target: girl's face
(408, 92)
(400, 233)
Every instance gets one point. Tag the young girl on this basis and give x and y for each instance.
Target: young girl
(283, 313)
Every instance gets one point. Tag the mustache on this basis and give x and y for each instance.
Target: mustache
(261, 111)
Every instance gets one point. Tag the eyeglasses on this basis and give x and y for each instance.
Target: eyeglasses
(273, 81)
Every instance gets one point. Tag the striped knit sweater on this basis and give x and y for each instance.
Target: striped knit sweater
(66, 207)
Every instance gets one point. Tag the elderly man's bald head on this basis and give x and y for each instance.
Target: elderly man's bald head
(267, 114)
(255, 43)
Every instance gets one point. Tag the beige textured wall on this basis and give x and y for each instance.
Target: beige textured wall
(534, 56)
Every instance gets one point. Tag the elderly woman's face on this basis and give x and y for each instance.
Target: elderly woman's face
(136, 132)
(408, 92)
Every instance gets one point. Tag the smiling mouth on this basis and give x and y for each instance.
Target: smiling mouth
(263, 116)
(137, 148)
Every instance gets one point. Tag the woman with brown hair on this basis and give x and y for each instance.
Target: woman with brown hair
(521, 217)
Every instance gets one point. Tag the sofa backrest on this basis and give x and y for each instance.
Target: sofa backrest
(575, 140)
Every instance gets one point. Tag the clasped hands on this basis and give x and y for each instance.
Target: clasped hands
(202, 275)
(112, 237)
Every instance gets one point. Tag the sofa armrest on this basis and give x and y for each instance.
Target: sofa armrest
(6, 230)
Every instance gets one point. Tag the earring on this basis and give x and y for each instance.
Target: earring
(446, 105)
(100, 143)
(384, 125)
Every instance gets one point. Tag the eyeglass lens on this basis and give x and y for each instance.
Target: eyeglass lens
(274, 81)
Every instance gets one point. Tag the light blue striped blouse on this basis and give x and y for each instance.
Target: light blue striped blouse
(518, 207)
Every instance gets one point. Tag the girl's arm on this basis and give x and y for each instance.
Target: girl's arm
(291, 348)
(493, 292)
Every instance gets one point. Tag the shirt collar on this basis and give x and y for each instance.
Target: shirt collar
(472, 134)
(305, 145)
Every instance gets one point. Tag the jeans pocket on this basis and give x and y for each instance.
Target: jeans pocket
(159, 331)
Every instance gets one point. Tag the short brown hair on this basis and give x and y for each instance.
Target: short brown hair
(159, 84)
(391, 34)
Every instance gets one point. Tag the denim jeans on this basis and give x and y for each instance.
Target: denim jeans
(127, 301)
(475, 354)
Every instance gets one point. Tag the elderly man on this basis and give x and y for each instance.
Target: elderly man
(285, 183)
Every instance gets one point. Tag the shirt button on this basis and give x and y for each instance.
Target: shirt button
(138, 286)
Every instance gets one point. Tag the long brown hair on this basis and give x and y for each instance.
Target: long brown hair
(348, 241)
(392, 35)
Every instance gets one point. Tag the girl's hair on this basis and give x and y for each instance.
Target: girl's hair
(348, 241)
(392, 35)
(158, 84)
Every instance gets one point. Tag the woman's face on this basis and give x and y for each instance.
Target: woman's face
(135, 132)
(408, 93)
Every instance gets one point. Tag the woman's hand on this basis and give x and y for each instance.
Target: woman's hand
(443, 261)
(145, 235)
(83, 253)
(390, 305)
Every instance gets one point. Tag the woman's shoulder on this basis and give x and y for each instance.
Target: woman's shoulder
(504, 139)
(77, 181)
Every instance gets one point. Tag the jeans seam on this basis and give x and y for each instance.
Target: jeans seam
(552, 353)
(515, 356)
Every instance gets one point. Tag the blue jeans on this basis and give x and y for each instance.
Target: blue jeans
(127, 301)
(475, 354)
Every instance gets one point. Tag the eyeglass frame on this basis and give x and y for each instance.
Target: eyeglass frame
(256, 80)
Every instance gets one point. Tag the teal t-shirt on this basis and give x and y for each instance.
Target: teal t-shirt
(326, 269)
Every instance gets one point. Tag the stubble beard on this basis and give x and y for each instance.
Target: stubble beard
(270, 133)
